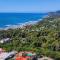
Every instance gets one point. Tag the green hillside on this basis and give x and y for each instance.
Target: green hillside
(43, 37)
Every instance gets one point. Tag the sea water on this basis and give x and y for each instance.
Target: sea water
(9, 19)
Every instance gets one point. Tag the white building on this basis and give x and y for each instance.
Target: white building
(5, 40)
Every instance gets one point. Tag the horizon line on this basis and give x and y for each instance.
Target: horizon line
(27, 12)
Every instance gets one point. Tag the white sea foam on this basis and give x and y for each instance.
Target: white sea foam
(7, 25)
(19, 25)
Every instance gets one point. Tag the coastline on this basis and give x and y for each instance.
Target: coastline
(20, 25)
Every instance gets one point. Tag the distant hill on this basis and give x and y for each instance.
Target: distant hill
(54, 14)
(52, 21)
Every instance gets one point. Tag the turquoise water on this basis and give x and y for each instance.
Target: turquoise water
(15, 18)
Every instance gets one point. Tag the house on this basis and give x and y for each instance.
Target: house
(5, 40)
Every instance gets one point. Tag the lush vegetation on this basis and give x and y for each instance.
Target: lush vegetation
(43, 38)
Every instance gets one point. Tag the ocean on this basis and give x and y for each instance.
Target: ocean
(9, 19)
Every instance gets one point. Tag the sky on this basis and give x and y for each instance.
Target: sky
(27, 6)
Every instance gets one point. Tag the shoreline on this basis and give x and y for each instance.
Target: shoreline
(20, 25)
